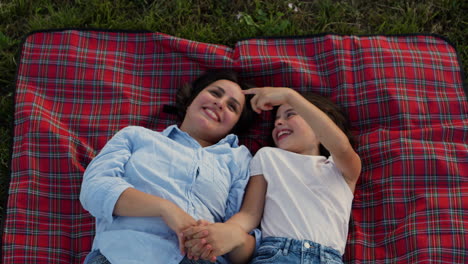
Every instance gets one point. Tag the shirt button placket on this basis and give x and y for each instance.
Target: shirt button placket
(195, 172)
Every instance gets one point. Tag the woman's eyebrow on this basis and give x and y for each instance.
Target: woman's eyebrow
(223, 92)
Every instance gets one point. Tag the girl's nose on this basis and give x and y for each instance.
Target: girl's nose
(278, 122)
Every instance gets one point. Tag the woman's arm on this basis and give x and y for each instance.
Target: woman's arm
(103, 179)
(133, 202)
(105, 192)
(136, 203)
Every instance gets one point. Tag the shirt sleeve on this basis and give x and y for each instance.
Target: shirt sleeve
(103, 180)
(257, 233)
(237, 191)
(240, 178)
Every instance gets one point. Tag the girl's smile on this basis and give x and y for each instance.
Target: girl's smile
(292, 133)
(283, 133)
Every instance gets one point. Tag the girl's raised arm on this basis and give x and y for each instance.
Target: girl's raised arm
(326, 131)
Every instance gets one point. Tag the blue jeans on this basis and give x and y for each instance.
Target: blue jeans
(98, 258)
(189, 261)
(288, 250)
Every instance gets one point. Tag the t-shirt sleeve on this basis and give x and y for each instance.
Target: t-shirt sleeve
(256, 167)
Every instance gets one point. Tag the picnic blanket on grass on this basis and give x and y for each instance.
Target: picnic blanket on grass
(404, 97)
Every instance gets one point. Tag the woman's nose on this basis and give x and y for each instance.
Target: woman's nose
(219, 104)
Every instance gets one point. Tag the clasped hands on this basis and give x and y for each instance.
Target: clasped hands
(208, 240)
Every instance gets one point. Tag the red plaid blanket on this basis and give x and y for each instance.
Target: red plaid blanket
(403, 95)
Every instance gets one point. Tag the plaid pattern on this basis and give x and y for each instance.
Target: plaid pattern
(403, 95)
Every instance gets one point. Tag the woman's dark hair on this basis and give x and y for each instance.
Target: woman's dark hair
(187, 93)
(334, 112)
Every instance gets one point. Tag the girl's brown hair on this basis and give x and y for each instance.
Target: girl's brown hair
(334, 112)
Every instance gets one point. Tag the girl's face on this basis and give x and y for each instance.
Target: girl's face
(292, 133)
(214, 112)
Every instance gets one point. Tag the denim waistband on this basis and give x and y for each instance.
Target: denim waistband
(295, 245)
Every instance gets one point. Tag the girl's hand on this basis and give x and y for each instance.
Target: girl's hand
(266, 98)
(220, 238)
(199, 250)
(178, 221)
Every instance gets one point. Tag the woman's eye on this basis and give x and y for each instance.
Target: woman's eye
(215, 93)
(290, 114)
(232, 107)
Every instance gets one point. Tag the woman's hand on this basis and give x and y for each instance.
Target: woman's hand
(178, 221)
(133, 202)
(199, 250)
(218, 238)
(266, 98)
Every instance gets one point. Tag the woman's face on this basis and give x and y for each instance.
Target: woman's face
(214, 112)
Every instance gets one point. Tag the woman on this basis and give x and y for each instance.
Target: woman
(146, 187)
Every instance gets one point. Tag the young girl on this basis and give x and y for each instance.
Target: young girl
(304, 188)
(145, 187)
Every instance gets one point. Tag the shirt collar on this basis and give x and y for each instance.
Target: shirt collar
(174, 132)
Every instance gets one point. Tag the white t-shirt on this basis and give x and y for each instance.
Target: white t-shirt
(307, 197)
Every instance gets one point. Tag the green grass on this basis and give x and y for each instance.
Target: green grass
(217, 21)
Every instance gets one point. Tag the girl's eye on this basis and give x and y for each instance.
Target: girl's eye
(289, 114)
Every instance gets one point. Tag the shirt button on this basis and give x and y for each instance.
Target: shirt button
(306, 245)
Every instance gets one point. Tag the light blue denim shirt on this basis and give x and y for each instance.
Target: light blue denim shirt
(207, 183)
